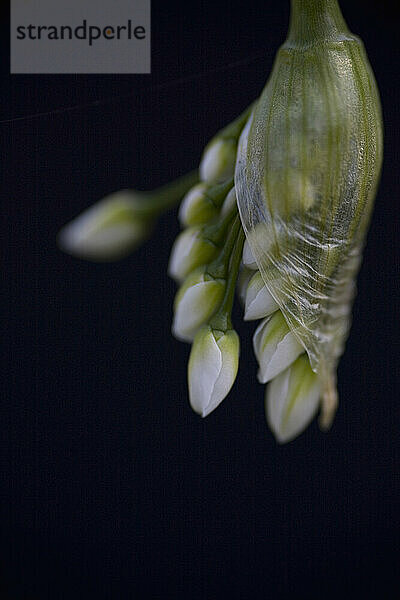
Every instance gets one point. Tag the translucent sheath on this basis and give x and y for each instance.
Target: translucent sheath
(306, 175)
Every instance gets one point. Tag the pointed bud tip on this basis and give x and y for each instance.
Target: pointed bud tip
(190, 251)
(195, 304)
(275, 347)
(212, 368)
(259, 302)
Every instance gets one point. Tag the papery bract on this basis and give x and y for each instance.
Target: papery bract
(306, 175)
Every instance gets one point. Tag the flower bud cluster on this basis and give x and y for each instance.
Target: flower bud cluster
(200, 263)
(204, 260)
(302, 165)
(293, 392)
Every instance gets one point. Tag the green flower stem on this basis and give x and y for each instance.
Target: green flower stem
(313, 20)
(217, 193)
(219, 267)
(215, 232)
(165, 197)
(222, 319)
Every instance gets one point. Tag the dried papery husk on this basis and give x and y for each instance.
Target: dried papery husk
(306, 175)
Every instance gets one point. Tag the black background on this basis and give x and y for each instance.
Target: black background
(111, 487)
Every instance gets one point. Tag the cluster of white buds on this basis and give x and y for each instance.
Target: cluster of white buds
(293, 391)
(210, 260)
(301, 166)
(205, 261)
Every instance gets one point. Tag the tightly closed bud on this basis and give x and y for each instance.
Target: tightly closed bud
(259, 302)
(275, 347)
(291, 400)
(212, 368)
(197, 208)
(203, 202)
(218, 161)
(196, 301)
(108, 230)
(190, 250)
(219, 157)
(306, 176)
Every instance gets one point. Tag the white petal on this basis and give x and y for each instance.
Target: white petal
(204, 367)
(108, 244)
(195, 307)
(229, 346)
(285, 353)
(212, 370)
(258, 336)
(275, 399)
(189, 251)
(180, 250)
(275, 347)
(292, 400)
(259, 301)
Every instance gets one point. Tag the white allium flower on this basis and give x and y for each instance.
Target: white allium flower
(212, 368)
(196, 207)
(106, 231)
(259, 302)
(190, 250)
(275, 347)
(218, 160)
(196, 301)
(292, 399)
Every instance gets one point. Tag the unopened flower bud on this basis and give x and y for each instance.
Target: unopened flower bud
(108, 230)
(275, 347)
(218, 161)
(190, 250)
(196, 301)
(292, 399)
(212, 369)
(259, 302)
(197, 208)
